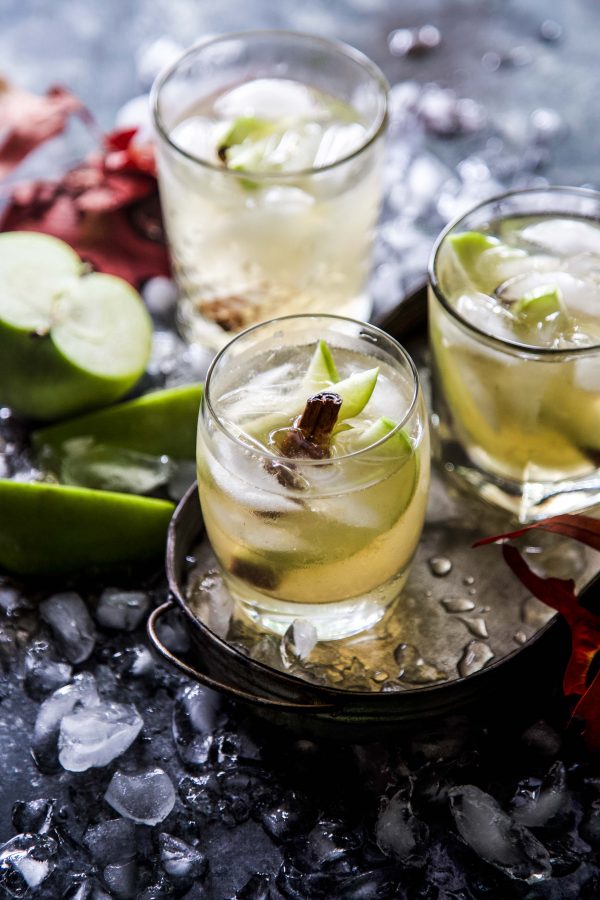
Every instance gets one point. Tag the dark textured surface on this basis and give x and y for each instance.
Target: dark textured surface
(283, 816)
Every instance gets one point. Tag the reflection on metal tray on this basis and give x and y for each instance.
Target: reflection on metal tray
(461, 616)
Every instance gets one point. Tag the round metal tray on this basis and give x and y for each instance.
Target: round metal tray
(507, 646)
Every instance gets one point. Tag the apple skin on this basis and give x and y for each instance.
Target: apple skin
(51, 529)
(162, 422)
(37, 381)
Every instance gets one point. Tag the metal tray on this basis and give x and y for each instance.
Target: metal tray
(453, 639)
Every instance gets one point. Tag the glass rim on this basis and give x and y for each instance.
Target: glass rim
(311, 462)
(530, 349)
(340, 47)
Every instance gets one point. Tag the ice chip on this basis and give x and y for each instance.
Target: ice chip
(25, 862)
(160, 295)
(543, 804)
(179, 859)
(46, 729)
(106, 468)
(338, 141)
(398, 832)
(299, 641)
(111, 842)
(213, 603)
(43, 673)
(121, 610)
(94, 736)
(563, 237)
(194, 714)
(122, 879)
(33, 815)
(492, 834)
(71, 625)
(270, 98)
(146, 798)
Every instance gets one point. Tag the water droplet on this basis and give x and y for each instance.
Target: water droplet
(473, 592)
(475, 655)
(468, 579)
(457, 604)
(379, 677)
(440, 566)
(476, 625)
(429, 594)
(550, 30)
(520, 637)
(535, 613)
(414, 669)
(391, 687)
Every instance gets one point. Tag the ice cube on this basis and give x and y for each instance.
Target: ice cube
(26, 861)
(182, 477)
(71, 625)
(33, 815)
(179, 859)
(543, 804)
(299, 640)
(160, 295)
(146, 798)
(271, 98)
(155, 56)
(122, 610)
(492, 834)
(111, 842)
(338, 141)
(563, 237)
(174, 634)
(291, 815)
(94, 736)
(63, 701)
(43, 673)
(213, 603)
(101, 467)
(398, 832)
(122, 879)
(194, 714)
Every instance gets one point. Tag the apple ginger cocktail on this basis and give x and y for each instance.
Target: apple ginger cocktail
(515, 335)
(313, 469)
(269, 153)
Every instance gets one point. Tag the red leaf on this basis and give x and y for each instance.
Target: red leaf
(588, 710)
(582, 528)
(560, 595)
(26, 121)
(106, 209)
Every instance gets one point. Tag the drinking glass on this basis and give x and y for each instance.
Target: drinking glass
(293, 236)
(329, 539)
(515, 343)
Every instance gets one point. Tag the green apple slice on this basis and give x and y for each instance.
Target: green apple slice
(67, 342)
(355, 392)
(469, 245)
(397, 445)
(49, 529)
(162, 422)
(539, 305)
(322, 371)
(246, 128)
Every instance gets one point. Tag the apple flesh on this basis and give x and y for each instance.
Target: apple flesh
(69, 341)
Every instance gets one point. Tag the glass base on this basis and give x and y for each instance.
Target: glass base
(195, 328)
(333, 621)
(527, 501)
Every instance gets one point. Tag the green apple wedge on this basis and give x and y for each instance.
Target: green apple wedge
(69, 341)
(162, 422)
(49, 529)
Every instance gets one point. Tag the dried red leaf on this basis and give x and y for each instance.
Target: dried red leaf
(582, 528)
(588, 711)
(559, 594)
(106, 208)
(26, 121)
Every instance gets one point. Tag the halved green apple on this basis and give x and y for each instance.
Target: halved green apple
(69, 341)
